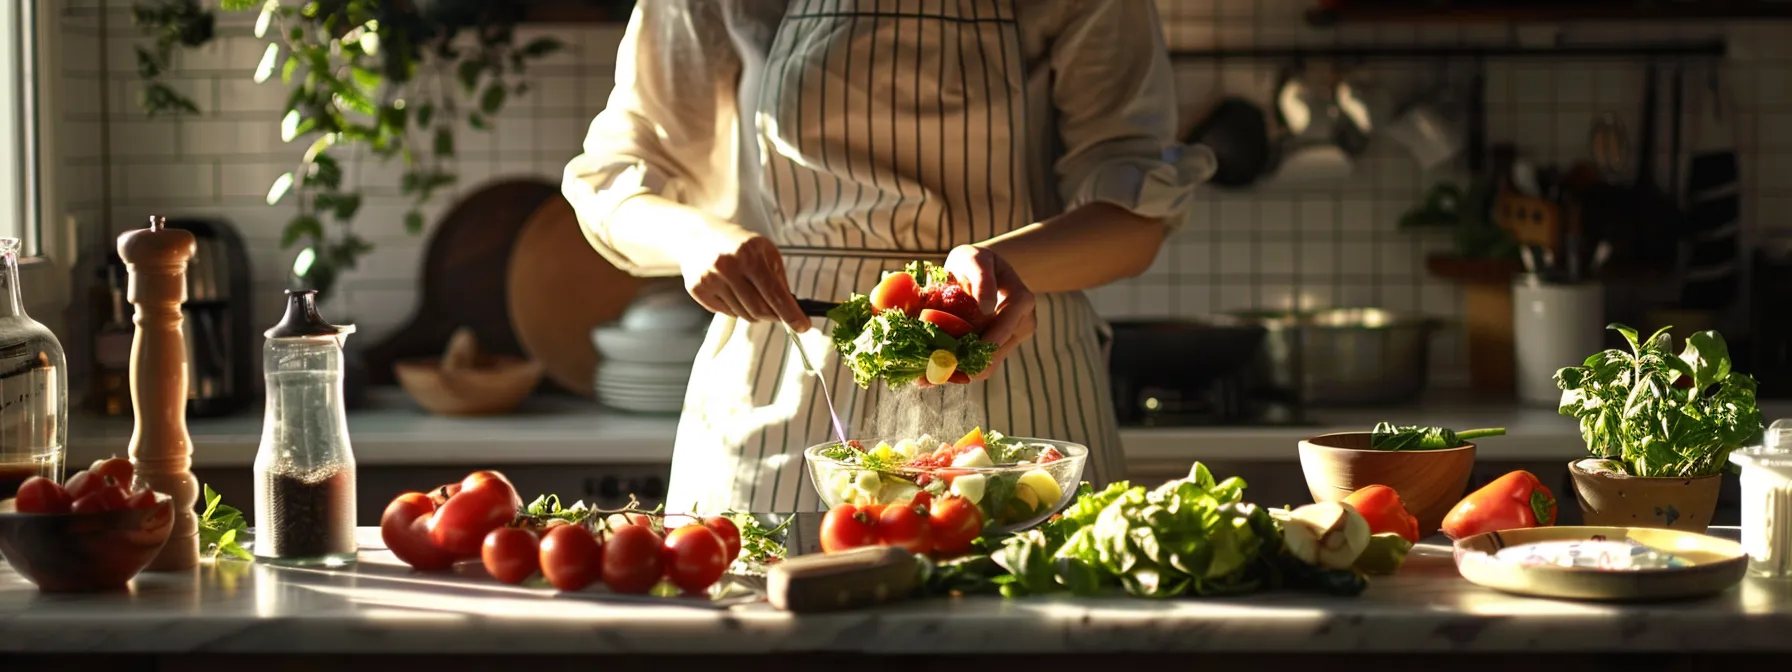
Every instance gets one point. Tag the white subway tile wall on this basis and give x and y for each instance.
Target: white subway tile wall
(1272, 247)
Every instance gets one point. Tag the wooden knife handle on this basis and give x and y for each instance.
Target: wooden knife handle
(853, 579)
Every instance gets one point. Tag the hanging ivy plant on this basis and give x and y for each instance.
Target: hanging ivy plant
(388, 78)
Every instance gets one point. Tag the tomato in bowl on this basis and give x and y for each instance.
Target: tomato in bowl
(97, 534)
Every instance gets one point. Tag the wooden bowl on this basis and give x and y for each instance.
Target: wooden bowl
(1429, 481)
(81, 552)
(493, 384)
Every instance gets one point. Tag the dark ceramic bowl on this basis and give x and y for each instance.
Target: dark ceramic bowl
(70, 552)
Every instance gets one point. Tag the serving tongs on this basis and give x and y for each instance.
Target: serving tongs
(809, 366)
(814, 308)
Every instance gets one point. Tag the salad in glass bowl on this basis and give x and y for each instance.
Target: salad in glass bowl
(1016, 482)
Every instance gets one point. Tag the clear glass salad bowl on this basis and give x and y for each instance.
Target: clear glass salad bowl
(1015, 490)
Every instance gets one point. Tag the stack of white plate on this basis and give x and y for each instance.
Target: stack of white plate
(647, 355)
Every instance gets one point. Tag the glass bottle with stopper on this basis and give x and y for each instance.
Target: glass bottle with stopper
(305, 469)
(33, 387)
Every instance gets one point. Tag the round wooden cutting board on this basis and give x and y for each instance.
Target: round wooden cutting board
(559, 290)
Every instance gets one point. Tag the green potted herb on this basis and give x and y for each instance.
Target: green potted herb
(1660, 427)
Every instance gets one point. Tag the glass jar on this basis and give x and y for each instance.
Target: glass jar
(33, 387)
(305, 468)
(1767, 502)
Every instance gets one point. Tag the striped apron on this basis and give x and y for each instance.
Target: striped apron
(886, 132)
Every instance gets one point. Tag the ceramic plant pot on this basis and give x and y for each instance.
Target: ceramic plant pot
(1620, 500)
(1428, 481)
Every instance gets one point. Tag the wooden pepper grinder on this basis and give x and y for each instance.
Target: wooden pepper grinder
(161, 449)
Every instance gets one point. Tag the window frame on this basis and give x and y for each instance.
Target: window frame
(29, 65)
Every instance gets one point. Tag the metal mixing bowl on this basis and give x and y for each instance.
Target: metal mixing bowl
(1348, 356)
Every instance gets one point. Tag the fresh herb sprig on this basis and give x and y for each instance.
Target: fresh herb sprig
(758, 545)
(1662, 414)
(219, 526)
(1387, 436)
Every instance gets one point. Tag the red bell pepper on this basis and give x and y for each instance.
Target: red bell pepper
(1381, 506)
(1514, 501)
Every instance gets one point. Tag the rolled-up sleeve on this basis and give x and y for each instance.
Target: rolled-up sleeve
(667, 129)
(1116, 105)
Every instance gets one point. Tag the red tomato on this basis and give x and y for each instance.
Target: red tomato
(404, 527)
(632, 561)
(118, 468)
(82, 484)
(947, 322)
(906, 526)
(725, 530)
(571, 558)
(897, 291)
(41, 495)
(511, 554)
(847, 527)
(617, 520)
(111, 498)
(695, 558)
(486, 502)
(956, 523)
(922, 499)
(141, 500)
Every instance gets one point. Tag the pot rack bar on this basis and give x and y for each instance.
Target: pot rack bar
(1716, 48)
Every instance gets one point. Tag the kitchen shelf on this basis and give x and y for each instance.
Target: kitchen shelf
(1714, 48)
(1499, 11)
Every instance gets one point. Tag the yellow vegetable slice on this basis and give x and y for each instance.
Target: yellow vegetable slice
(940, 366)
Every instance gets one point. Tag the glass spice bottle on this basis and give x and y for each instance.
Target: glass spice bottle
(305, 468)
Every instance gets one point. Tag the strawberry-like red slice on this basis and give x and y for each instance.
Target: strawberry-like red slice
(955, 300)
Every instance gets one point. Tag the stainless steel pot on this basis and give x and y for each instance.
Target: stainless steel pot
(1347, 356)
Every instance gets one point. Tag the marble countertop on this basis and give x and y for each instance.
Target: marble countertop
(574, 431)
(381, 607)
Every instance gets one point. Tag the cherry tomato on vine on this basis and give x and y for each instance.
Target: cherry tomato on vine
(847, 527)
(632, 562)
(486, 502)
(728, 532)
(404, 527)
(956, 523)
(906, 526)
(511, 554)
(571, 558)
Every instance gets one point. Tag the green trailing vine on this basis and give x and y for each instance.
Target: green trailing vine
(390, 78)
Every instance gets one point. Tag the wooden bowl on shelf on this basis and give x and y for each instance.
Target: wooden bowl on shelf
(84, 552)
(1428, 481)
(467, 382)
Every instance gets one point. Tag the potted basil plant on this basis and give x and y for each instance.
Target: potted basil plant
(1660, 427)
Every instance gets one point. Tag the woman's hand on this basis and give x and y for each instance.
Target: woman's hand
(1003, 299)
(733, 271)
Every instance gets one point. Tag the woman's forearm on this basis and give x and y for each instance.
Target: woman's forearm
(1090, 246)
(654, 231)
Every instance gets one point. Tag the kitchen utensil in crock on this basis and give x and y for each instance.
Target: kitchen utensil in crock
(559, 290)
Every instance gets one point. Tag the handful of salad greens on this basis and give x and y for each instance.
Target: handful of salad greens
(907, 325)
(1188, 537)
(1660, 413)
